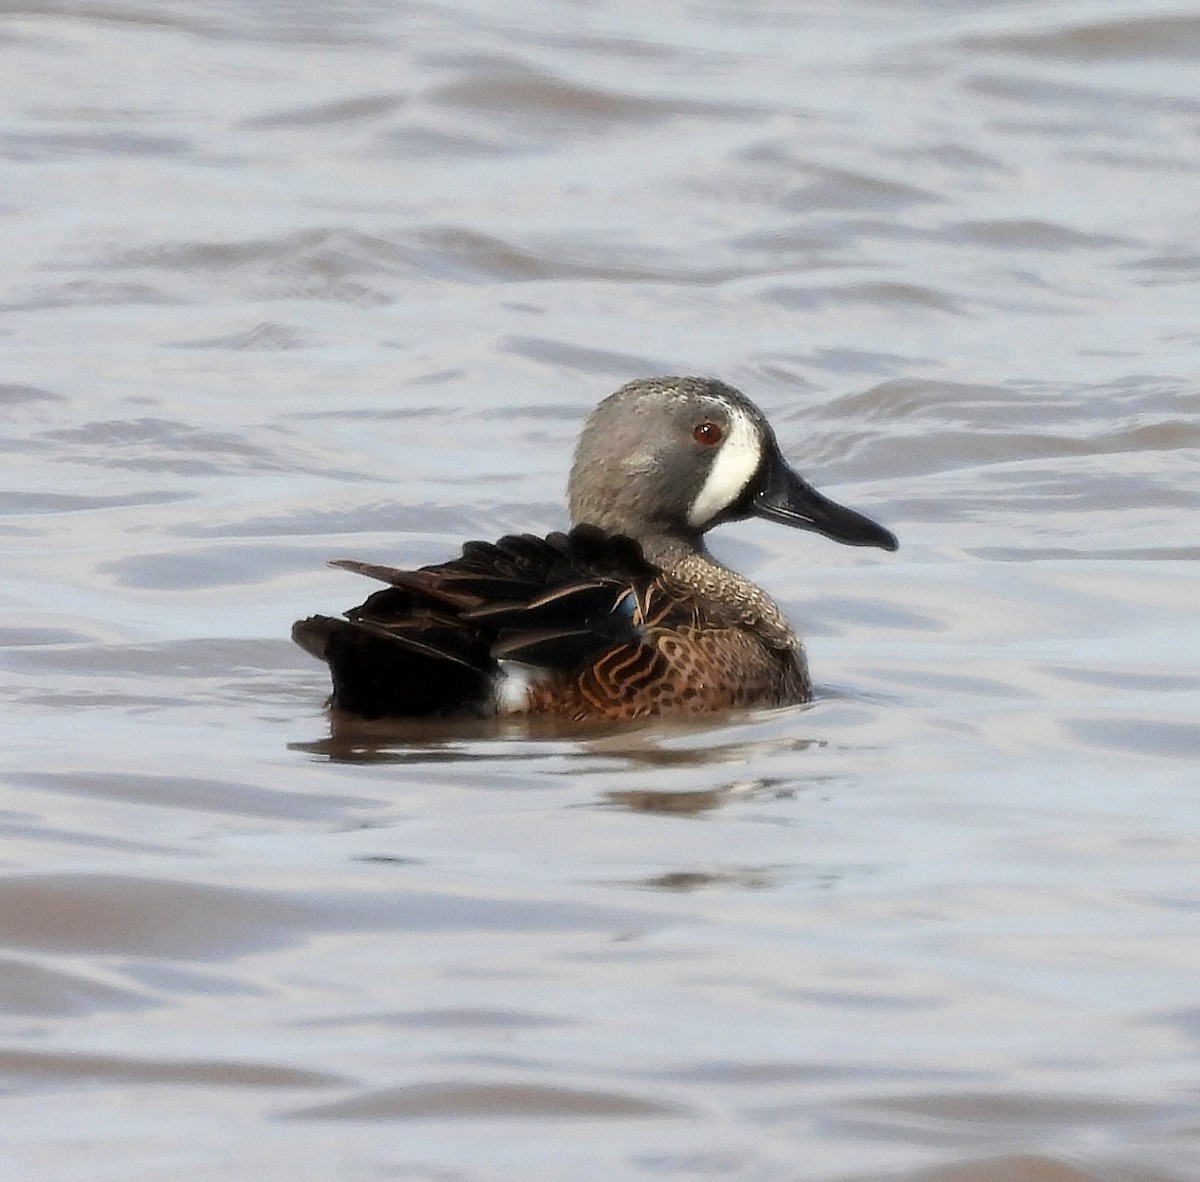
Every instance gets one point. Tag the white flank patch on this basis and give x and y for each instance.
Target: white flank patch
(512, 685)
(736, 461)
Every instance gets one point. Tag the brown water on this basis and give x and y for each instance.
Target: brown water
(290, 281)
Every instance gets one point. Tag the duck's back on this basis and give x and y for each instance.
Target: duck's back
(577, 626)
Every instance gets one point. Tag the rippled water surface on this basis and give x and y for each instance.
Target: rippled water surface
(284, 282)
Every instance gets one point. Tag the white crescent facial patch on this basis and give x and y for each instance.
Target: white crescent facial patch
(733, 467)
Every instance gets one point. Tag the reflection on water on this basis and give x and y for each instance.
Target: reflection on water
(296, 282)
(546, 748)
(652, 800)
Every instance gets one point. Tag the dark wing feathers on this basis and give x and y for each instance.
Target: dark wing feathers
(428, 642)
(437, 642)
(580, 601)
(565, 650)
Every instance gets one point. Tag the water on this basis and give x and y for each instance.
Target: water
(289, 282)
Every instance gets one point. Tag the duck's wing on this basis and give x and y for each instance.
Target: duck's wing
(431, 642)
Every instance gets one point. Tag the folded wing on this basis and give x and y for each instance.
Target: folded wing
(432, 641)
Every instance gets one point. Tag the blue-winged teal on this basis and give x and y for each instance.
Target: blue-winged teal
(628, 615)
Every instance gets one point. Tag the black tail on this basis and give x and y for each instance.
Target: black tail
(380, 673)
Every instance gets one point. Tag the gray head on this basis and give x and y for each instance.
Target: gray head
(665, 459)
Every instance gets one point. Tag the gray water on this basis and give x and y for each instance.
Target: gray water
(296, 281)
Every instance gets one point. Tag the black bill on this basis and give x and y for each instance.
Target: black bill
(784, 497)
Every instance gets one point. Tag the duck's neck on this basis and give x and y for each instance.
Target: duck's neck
(728, 598)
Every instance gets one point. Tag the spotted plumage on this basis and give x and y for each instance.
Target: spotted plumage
(624, 617)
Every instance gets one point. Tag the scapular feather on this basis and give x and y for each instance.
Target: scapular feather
(436, 635)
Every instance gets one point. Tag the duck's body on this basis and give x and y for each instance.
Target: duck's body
(574, 625)
(626, 616)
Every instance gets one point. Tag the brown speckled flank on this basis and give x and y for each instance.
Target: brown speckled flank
(628, 615)
(683, 663)
(685, 672)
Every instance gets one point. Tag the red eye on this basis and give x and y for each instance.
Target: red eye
(707, 433)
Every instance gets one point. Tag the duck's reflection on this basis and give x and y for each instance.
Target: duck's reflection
(679, 744)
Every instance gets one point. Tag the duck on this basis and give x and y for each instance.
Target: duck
(626, 615)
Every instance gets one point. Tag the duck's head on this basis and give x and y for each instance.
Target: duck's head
(666, 459)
